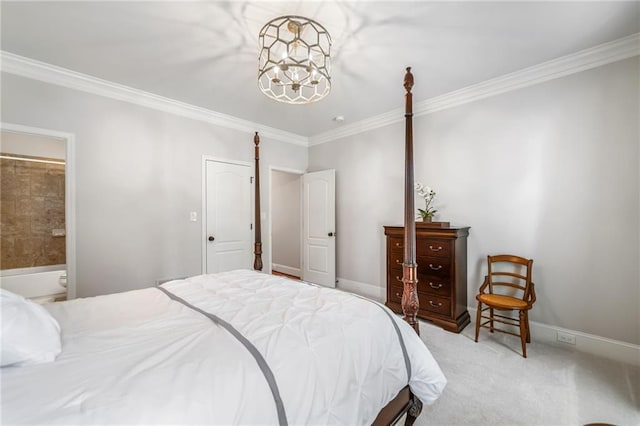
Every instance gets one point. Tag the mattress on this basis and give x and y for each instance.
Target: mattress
(238, 347)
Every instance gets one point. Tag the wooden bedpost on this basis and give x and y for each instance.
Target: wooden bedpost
(257, 247)
(410, 302)
(409, 267)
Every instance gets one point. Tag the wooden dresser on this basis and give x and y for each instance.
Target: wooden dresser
(441, 255)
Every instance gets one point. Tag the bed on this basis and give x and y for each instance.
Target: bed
(238, 347)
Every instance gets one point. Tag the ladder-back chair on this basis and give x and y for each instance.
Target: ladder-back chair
(507, 287)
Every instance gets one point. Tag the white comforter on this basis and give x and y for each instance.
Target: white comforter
(142, 358)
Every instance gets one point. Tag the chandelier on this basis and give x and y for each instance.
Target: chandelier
(294, 60)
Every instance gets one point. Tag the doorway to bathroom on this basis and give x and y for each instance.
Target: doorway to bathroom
(35, 216)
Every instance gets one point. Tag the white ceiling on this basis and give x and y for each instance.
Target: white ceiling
(205, 53)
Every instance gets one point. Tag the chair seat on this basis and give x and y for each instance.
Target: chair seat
(502, 302)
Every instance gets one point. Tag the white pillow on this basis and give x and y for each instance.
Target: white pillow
(30, 335)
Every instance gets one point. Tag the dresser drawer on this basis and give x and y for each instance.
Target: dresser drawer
(435, 304)
(394, 261)
(395, 293)
(433, 285)
(433, 247)
(394, 277)
(436, 267)
(395, 245)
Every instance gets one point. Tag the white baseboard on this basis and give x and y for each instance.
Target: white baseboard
(363, 289)
(589, 343)
(289, 270)
(617, 350)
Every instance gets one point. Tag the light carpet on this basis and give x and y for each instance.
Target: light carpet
(490, 383)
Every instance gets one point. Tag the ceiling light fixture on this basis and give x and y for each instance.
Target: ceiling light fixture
(294, 60)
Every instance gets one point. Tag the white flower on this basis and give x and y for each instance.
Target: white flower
(428, 195)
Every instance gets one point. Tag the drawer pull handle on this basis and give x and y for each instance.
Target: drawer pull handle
(399, 245)
(398, 295)
(435, 249)
(436, 286)
(398, 262)
(398, 278)
(435, 268)
(435, 305)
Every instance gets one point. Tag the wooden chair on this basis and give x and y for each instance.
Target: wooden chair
(507, 287)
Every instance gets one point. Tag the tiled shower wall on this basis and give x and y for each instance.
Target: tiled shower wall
(32, 206)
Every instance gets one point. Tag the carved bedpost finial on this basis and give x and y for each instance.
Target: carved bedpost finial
(408, 80)
(256, 139)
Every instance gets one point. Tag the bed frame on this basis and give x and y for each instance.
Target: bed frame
(405, 402)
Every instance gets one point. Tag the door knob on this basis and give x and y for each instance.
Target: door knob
(332, 234)
(211, 238)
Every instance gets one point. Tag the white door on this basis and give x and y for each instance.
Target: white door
(228, 217)
(318, 230)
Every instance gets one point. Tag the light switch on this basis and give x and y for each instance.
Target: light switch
(193, 216)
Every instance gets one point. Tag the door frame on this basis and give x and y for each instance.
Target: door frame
(203, 211)
(70, 192)
(300, 173)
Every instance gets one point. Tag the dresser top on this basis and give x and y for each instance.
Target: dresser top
(436, 227)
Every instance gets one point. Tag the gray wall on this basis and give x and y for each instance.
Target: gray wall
(285, 219)
(138, 175)
(548, 172)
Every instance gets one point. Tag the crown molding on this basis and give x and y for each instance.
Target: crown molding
(37, 70)
(603, 54)
(583, 60)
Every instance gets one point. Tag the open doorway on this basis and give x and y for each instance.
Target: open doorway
(286, 226)
(37, 214)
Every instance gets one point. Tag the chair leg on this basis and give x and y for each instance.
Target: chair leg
(526, 316)
(478, 319)
(491, 320)
(523, 332)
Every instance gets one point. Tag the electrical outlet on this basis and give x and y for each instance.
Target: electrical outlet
(567, 338)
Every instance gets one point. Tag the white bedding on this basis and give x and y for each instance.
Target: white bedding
(142, 358)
